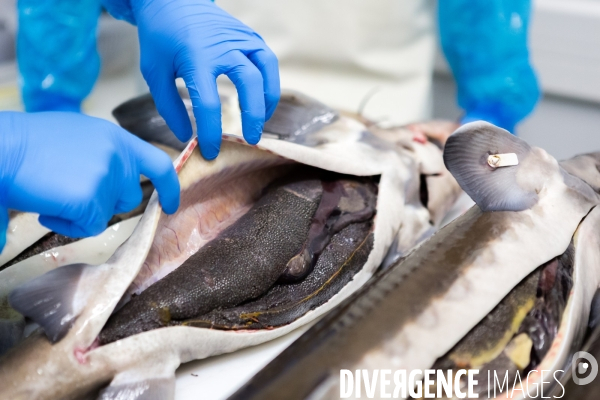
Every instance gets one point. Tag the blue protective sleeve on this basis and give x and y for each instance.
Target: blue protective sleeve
(485, 43)
(56, 52)
(120, 9)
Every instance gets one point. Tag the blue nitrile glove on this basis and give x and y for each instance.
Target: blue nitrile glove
(56, 52)
(198, 41)
(76, 171)
(485, 43)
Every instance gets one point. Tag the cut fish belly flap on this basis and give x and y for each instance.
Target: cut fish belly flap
(240, 264)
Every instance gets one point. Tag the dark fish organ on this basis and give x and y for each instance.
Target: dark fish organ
(340, 261)
(243, 262)
(343, 203)
(517, 334)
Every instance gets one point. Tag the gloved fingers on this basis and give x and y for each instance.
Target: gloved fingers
(157, 166)
(202, 86)
(131, 197)
(168, 102)
(250, 86)
(268, 65)
(3, 227)
(73, 229)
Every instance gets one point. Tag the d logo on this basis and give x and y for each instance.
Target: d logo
(579, 369)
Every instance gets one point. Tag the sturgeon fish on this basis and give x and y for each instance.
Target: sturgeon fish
(71, 357)
(419, 309)
(530, 337)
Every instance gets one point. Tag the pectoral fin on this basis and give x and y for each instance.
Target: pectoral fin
(586, 167)
(51, 300)
(140, 117)
(493, 185)
(298, 115)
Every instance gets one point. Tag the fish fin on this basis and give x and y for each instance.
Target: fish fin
(140, 117)
(298, 115)
(585, 167)
(493, 189)
(142, 389)
(49, 300)
(580, 186)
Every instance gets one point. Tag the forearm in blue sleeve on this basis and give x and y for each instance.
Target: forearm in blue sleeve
(120, 9)
(123, 9)
(485, 43)
(56, 52)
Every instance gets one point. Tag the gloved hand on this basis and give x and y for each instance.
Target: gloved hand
(76, 171)
(198, 41)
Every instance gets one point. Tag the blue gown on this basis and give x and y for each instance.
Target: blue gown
(485, 43)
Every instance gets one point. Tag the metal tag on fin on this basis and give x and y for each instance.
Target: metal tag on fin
(502, 160)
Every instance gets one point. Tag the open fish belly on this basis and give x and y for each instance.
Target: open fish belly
(246, 259)
(587, 277)
(519, 333)
(395, 323)
(242, 263)
(553, 357)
